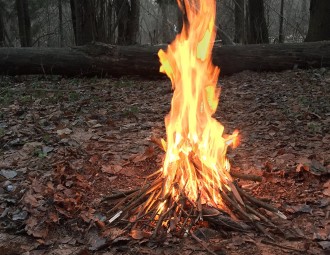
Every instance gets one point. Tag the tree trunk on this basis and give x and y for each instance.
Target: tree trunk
(24, 23)
(2, 27)
(258, 31)
(239, 21)
(280, 33)
(109, 22)
(122, 8)
(84, 22)
(60, 22)
(103, 60)
(128, 16)
(165, 27)
(319, 23)
(133, 22)
(100, 9)
(74, 19)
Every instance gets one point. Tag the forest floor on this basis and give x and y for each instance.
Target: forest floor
(65, 144)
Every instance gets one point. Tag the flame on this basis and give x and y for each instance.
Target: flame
(195, 161)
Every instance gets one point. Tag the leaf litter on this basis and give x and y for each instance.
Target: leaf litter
(71, 143)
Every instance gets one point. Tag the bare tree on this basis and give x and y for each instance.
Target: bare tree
(133, 22)
(258, 31)
(2, 25)
(128, 14)
(280, 33)
(83, 21)
(165, 28)
(239, 21)
(60, 23)
(319, 28)
(24, 23)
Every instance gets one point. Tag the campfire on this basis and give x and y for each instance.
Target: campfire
(194, 185)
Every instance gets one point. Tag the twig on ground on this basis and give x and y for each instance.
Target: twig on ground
(281, 246)
(247, 177)
(203, 243)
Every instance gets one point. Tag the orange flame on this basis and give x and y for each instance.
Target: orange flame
(195, 160)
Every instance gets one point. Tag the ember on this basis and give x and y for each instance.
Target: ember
(194, 183)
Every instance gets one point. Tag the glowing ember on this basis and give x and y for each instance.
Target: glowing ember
(195, 161)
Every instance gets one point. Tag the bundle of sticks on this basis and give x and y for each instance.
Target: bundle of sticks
(156, 213)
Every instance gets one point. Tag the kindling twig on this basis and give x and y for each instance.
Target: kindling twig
(261, 203)
(204, 244)
(247, 177)
(120, 194)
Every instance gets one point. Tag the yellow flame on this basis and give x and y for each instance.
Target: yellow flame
(196, 147)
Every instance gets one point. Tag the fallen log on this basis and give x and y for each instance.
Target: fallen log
(109, 60)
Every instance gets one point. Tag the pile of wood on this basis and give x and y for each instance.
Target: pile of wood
(139, 210)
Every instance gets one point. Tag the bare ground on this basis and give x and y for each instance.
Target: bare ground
(66, 144)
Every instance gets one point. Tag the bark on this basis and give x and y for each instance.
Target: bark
(2, 27)
(128, 15)
(133, 22)
(165, 26)
(110, 21)
(100, 10)
(258, 31)
(280, 33)
(60, 22)
(319, 28)
(24, 23)
(239, 21)
(74, 19)
(85, 19)
(103, 60)
(121, 7)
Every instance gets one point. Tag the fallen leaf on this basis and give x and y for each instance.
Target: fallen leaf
(111, 169)
(65, 131)
(149, 152)
(122, 240)
(95, 241)
(112, 233)
(47, 149)
(326, 187)
(20, 216)
(325, 245)
(35, 228)
(322, 234)
(8, 174)
(139, 234)
(30, 148)
(53, 216)
(324, 202)
(312, 166)
(299, 209)
(326, 139)
(29, 199)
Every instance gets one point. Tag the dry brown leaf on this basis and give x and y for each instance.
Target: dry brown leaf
(326, 187)
(29, 199)
(35, 228)
(53, 216)
(65, 131)
(111, 169)
(139, 234)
